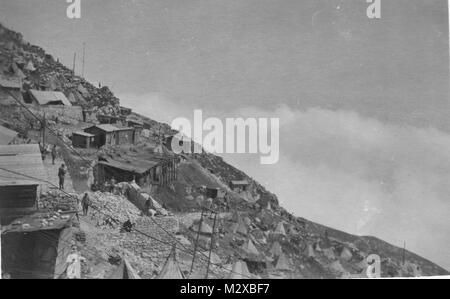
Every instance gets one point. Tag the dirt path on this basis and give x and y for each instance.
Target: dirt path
(52, 173)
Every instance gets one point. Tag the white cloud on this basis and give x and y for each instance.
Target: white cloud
(350, 172)
(365, 177)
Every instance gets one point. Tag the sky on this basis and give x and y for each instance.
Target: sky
(363, 103)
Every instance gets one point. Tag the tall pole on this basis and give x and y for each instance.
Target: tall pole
(84, 54)
(196, 241)
(74, 59)
(211, 246)
(403, 256)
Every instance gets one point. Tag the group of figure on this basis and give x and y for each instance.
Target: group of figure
(44, 152)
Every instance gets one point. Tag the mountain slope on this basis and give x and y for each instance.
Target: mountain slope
(308, 250)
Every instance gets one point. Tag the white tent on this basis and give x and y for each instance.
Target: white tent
(215, 259)
(283, 263)
(279, 230)
(240, 271)
(171, 269)
(309, 251)
(30, 66)
(205, 228)
(346, 254)
(240, 228)
(276, 249)
(250, 248)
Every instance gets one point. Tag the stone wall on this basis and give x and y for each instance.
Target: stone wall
(147, 247)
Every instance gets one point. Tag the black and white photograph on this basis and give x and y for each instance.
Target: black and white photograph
(212, 141)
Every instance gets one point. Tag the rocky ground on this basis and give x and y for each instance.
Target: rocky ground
(256, 236)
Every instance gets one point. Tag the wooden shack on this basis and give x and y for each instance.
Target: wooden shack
(125, 136)
(82, 139)
(239, 185)
(33, 251)
(104, 135)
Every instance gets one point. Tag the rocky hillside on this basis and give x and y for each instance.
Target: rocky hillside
(253, 235)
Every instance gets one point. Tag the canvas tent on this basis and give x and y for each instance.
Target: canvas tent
(205, 228)
(346, 254)
(250, 249)
(171, 269)
(283, 263)
(240, 271)
(215, 259)
(125, 271)
(276, 249)
(30, 66)
(337, 267)
(279, 230)
(309, 251)
(240, 228)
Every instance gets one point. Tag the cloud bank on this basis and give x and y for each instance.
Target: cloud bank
(350, 172)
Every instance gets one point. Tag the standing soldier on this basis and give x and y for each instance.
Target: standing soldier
(54, 154)
(61, 175)
(43, 151)
(227, 202)
(113, 185)
(86, 202)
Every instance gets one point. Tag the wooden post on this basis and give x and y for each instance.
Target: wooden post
(43, 131)
(211, 246)
(0, 249)
(196, 241)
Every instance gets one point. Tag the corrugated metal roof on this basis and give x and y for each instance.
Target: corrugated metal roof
(17, 183)
(125, 129)
(33, 223)
(10, 82)
(106, 128)
(110, 128)
(83, 134)
(135, 121)
(24, 159)
(7, 135)
(137, 166)
(49, 97)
